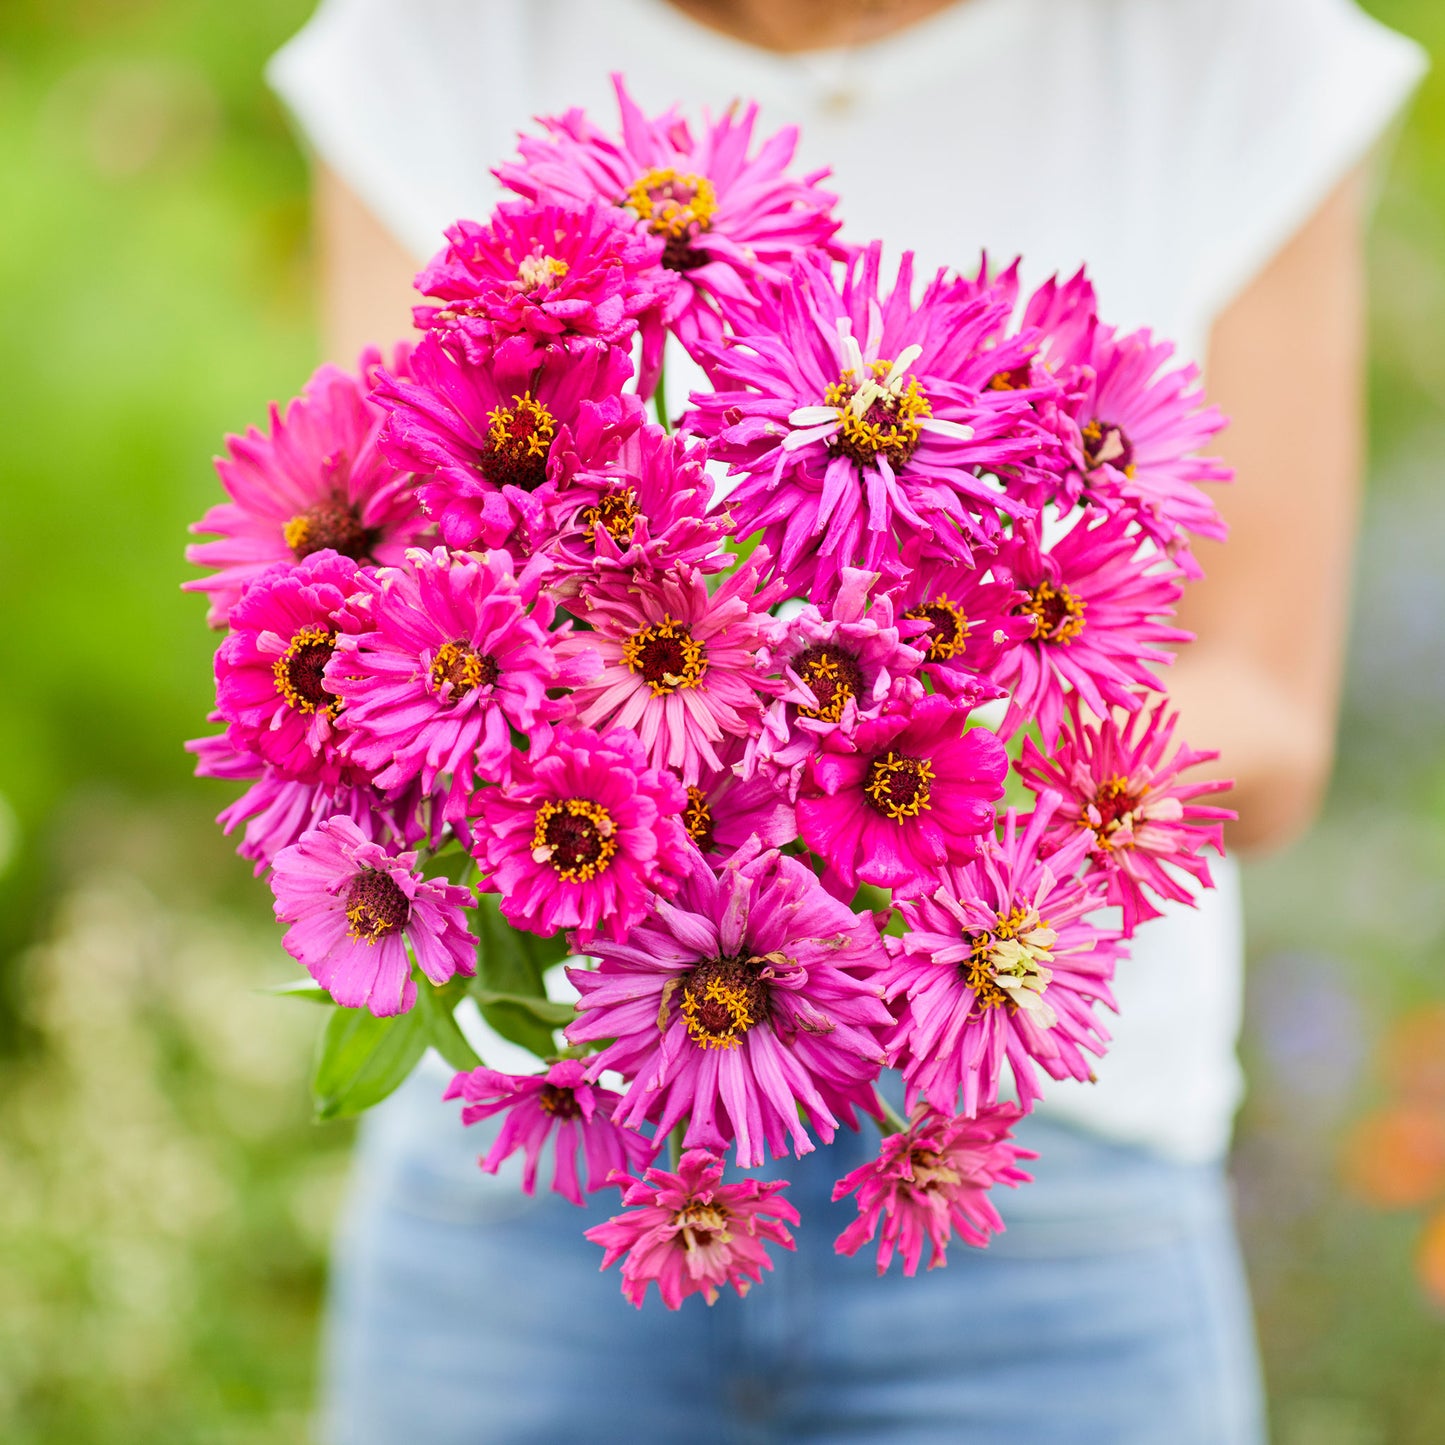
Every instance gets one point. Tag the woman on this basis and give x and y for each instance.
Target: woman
(1205, 158)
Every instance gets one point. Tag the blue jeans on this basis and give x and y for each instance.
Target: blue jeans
(1113, 1311)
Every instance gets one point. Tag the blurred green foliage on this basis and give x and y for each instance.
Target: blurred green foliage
(164, 1199)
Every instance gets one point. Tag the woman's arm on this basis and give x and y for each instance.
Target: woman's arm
(1261, 683)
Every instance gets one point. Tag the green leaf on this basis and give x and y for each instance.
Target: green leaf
(299, 988)
(443, 1033)
(508, 987)
(555, 1014)
(361, 1059)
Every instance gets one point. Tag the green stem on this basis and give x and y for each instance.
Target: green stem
(674, 1144)
(891, 1123)
(659, 396)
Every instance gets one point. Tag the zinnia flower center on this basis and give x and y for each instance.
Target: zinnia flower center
(577, 837)
(457, 669)
(698, 1221)
(375, 905)
(1106, 442)
(722, 999)
(676, 207)
(898, 787)
(878, 416)
(537, 271)
(667, 656)
(1114, 804)
(1007, 965)
(560, 1103)
(833, 675)
(1058, 613)
(697, 819)
(519, 440)
(300, 672)
(617, 512)
(948, 628)
(332, 524)
(1017, 378)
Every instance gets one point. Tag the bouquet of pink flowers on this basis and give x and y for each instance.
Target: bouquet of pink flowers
(721, 712)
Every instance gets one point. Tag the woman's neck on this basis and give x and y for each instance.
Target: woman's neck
(789, 26)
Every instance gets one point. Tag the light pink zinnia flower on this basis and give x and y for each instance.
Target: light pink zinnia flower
(271, 669)
(1116, 785)
(694, 1234)
(442, 658)
(582, 834)
(677, 662)
(539, 276)
(354, 907)
(933, 1181)
(727, 220)
(315, 480)
(750, 1000)
(495, 443)
(911, 793)
(861, 425)
(1001, 962)
(559, 1105)
(1095, 599)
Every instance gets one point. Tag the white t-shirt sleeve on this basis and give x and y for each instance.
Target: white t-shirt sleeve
(1297, 95)
(410, 104)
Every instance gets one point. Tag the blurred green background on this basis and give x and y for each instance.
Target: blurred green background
(164, 1199)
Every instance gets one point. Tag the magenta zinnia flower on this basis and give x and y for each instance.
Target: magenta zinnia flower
(677, 662)
(495, 443)
(1001, 963)
(354, 908)
(911, 793)
(727, 220)
(1117, 787)
(933, 1181)
(558, 1105)
(315, 480)
(271, 669)
(694, 1234)
(725, 810)
(582, 834)
(1095, 598)
(749, 1000)
(861, 424)
(539, 276)
(442, 659)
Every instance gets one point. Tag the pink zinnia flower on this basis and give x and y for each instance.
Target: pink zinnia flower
(442, 658)
(727, 220)
(694, 1234)
(356, 909)
(1002, 963)
(1116, 785)
(933, 1181)
(559, 1105)
(1095, 599)
(271, 670)
(582, 834)
(724, 811)
(494, 443)
(677, 662)
(749, 1000)
(315, 480)
(642, 512)
(861, 423)
(912, 793)
(840, 665)
(539, 276)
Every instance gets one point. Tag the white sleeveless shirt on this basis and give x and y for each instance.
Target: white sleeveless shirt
(1172, 145)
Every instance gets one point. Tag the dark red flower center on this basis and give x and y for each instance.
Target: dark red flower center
(666, 656)
(1104, 441)
(1114, 803)
(876, 416)
(576, 836)
(1058, 614)
(833, 675)
(898, 787)
(560, 1103)
(334, 524)
(722, 998)
(697, 819)
(616, 512)
(300, 672)
(375, 905)
(460, 668)
(947, 628)
(519, 442)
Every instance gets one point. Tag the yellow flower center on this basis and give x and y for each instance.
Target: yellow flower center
(948, 627)
(332, 524)
(898, 787)
(697, 818)
(375, 906)
(877, 416)
(300, 672)
(1106, 442)
(833, 676)
(721, 1000)
(617, 512)
(1007, 965)
(519, 439)
(576, 836)
(1058, 613)
(460, 668)
(538, 270)
(672, 204)
(1115, 805)
(666, 655)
